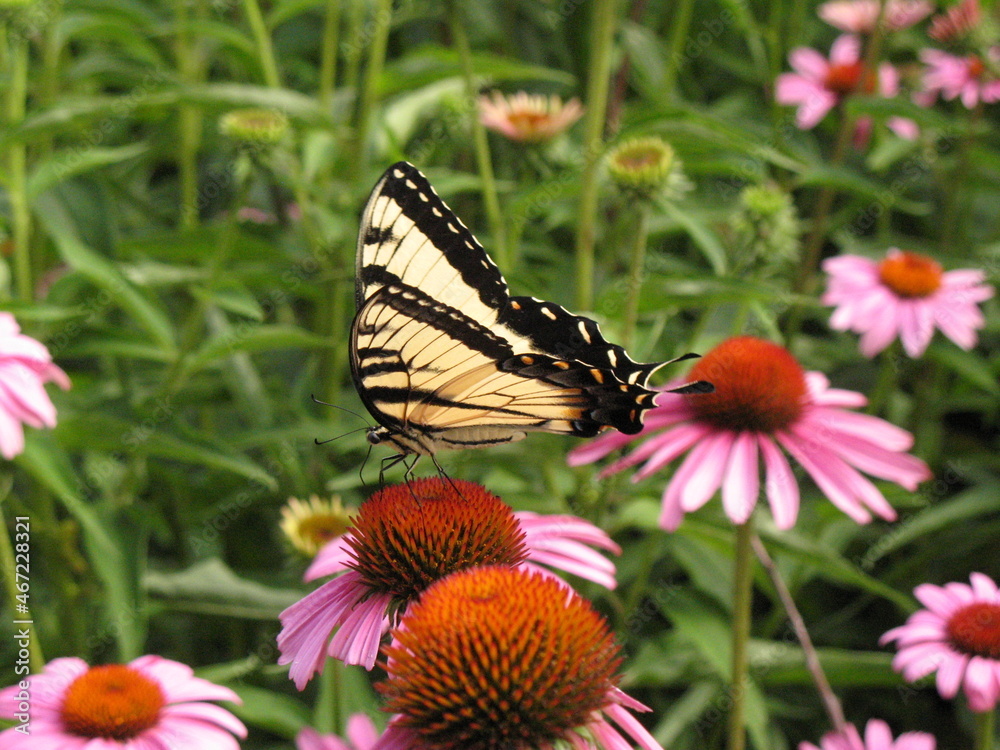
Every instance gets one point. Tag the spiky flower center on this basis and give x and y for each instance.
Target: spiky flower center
(112, 702)
(848, 77)
(407, 536)
(975, 629)
(494, 658)
(759, 386)
(910, 274)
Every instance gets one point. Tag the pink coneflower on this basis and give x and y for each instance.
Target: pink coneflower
(955, 22)
(404, 538)
(25, 367)
(529, 118)
(361, 735)
(818, 84)
(967, 78)
(905, 295)
(148, 703)
(860, 16)
(763, 402)
(877, 737)
(500, 657)
(957, 636)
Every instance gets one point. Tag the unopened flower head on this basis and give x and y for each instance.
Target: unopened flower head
(529, 118)
(763, 406)
(310, 525)
(404, 538)
(645, 167)
(501, 657)
(957, 636)
(905, 295)
(149, 702)
(767, 225)
(255, 126)
(957, 22)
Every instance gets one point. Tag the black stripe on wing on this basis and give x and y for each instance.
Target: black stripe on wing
(561, 334)
(571, 395)
(404, 187)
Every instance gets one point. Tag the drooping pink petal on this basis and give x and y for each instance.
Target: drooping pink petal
(741, 481)
(782, 489)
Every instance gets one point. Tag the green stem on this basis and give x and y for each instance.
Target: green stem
(36, 661)
(352, 51)
(955, 196)
(814, 243)
(889, 361)
(833, 708)
(373, 75)
(742, 594)
(637, 266)
(679, 26)
(598, 82)
(985, 730)
(328, 54)
(262, 38)
(189, 120)
(480, 142)
(15, 68)
(327, 716)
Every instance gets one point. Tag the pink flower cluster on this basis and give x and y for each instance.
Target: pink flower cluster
(818, 84)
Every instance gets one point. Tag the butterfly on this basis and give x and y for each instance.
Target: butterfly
(445, 358)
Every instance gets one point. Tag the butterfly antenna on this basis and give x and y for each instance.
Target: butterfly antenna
(342, 408)
(361, 470)
(317, 441)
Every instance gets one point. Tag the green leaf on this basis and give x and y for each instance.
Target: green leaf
(781, 663)
(254, 338)
(974, 502)
(106, 276)
(99, 431)
(829, 564)
(703, 237)
(271, 711)
(69, 161)
(211, 587)
(971, 367)
(46, 461)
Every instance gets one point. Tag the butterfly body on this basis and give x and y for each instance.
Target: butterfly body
(444, 358)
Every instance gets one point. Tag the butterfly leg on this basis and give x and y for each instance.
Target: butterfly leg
(388, 462)
(444, 475)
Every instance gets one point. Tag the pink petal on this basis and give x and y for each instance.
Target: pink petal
(845, 49)
(828, 471)
(782, 489)
(707, 461)
(877, 735)
(332, 559)
(361, 731)
(208, 713)
(981, 684)
(938, 600)
(984, 587)
(741, 481)
(672, 444)
(810, 63)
